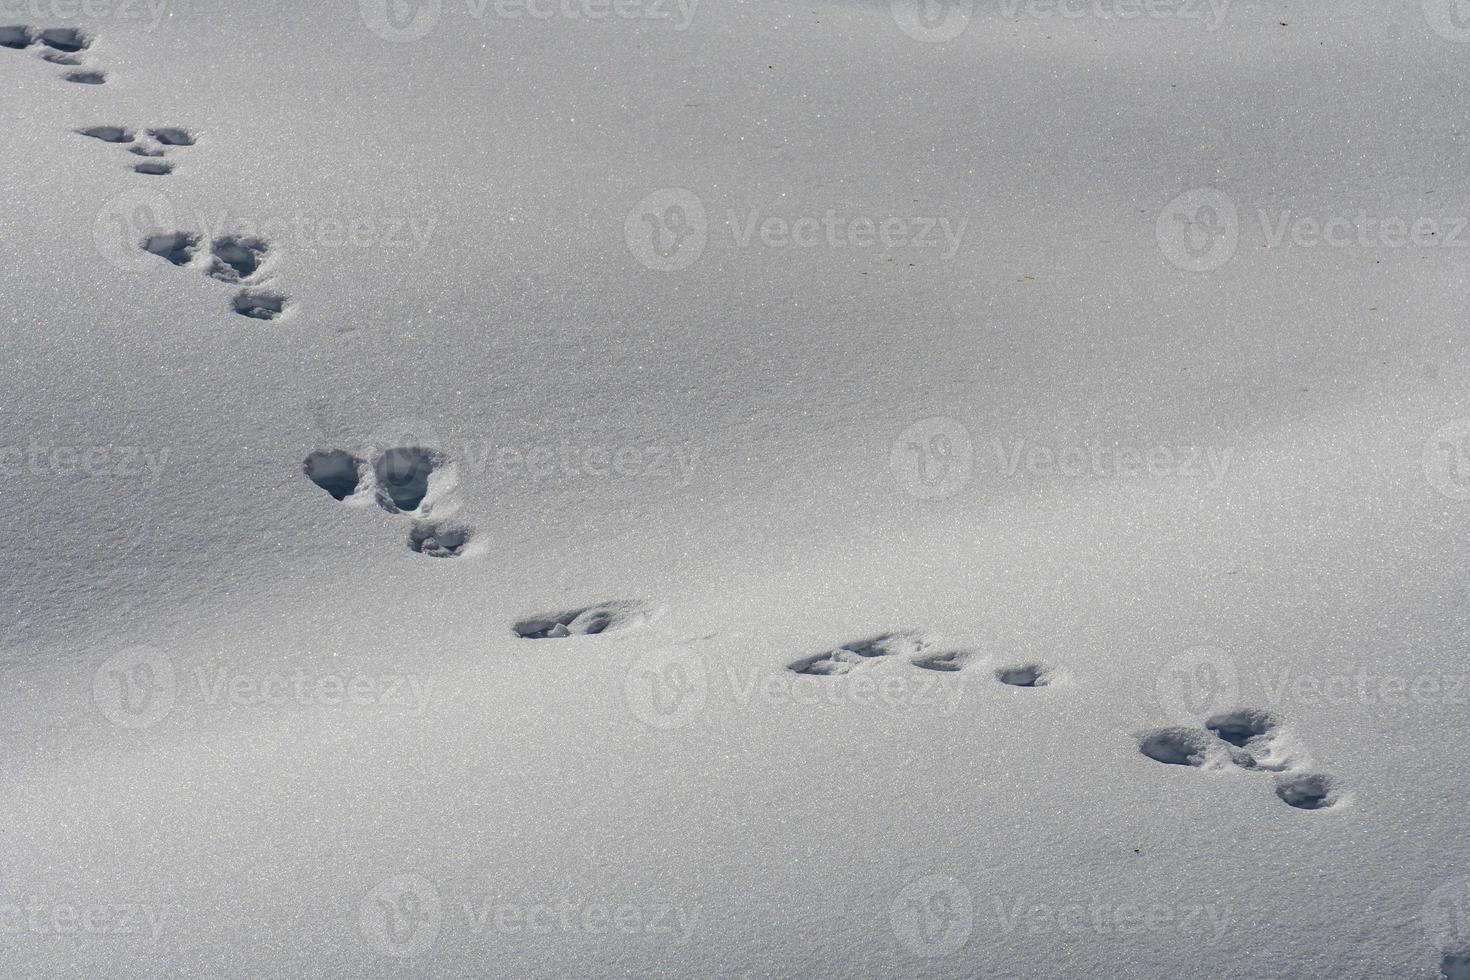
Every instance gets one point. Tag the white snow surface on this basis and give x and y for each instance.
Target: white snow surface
(189, 788)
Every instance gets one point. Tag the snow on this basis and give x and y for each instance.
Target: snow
(1121, 353)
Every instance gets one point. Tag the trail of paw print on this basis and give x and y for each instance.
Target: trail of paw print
(151, 144)
(239, 260)
(407, 480)
(65, 46)
(594, 620)
(1249, 739)
(922, 653)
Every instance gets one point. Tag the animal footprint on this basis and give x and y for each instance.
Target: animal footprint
(259, 306)
(63, 45)
(1026, 675)
(950, 661)
(438, 540)
(1179, 746)
(607, 617)
(843, 659)
(1247, 738)
(68, 40)
(233, 259)
(399, 480)
(176, 248)
(1257, 733)
(236, 259)
(109, 134)
(1306, 790)
(334, 471)
(152, 144)
(403, 477)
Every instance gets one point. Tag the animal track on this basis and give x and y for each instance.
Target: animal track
(1177, 746)
(949, 661)
(334, 471)
(403, 477)
(1249, 738)
(172, 136)
(1026, 675)
(64, 46)
(259, 306)
(153, 144)
(1306, 790)
(65, 39)
(844, 658)
(438, 540)
(177, 248)
(397, 478)
(607, 617)
(236, 258)
(109, 134)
